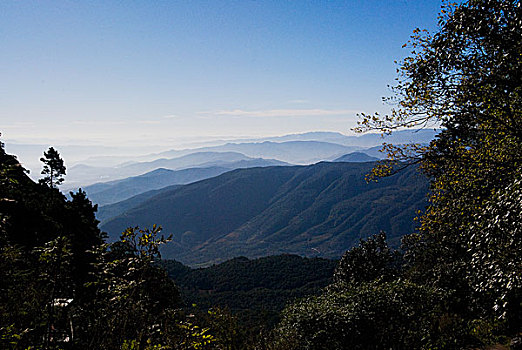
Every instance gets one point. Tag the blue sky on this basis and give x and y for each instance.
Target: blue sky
(121, 72)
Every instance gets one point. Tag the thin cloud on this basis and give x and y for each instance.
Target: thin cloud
(19, 125)
(149, 122)
(285, 112)
(98, 122)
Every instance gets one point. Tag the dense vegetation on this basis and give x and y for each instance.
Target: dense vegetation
(254, 290)
(62, 287)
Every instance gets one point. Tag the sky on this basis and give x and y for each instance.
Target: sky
(160, 72)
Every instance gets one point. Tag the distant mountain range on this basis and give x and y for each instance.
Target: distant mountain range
(295, 152)
(356, 157)
(363, 140)
(316, 210)
(115, 191)
(84, 174)
(88, 164)
(307, 148)
(230, 160)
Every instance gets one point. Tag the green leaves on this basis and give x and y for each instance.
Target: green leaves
(495, 247)
(374, 315)
(145, 242)
(135, 300)
(467, 79)
(371, 260)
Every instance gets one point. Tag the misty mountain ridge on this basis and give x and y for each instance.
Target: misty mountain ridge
(360, 141)
(87, 175)
(110, 156)
(295, 152)
(119, 190)
(356, 157)
(363, 140)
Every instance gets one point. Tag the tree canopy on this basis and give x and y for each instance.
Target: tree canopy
(465, 79)
(464, 261)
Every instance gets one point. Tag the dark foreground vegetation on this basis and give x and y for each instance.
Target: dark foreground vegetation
(255, 291)
(455, 284)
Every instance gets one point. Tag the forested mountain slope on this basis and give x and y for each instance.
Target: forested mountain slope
(317, 210)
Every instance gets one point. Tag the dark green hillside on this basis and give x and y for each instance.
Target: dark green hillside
(256, 290)
(317, 210)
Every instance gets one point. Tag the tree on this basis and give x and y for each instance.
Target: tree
(135, 299)
(369, 306)
(371, 260)
(497, 252)
(84, 233)
(62, 287)
(465, 79)
(54, 261)
(53, 169)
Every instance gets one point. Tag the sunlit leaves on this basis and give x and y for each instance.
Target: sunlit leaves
(496, 246)
(466, 79)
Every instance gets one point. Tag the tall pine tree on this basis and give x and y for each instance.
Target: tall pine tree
(54, 169)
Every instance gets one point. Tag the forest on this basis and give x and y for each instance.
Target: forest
(455, 283)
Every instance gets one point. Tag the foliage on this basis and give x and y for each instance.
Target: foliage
(63, 288)
(254, 291)
(196, 337)
(466, 79)
(373, 315)
(382, 308)
(53, 169)
(37, 257)
(134, 298)
(459, 285)
(495, 247)
(55, 281)
(371, 260)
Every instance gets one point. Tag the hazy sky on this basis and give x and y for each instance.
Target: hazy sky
(115, 72)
